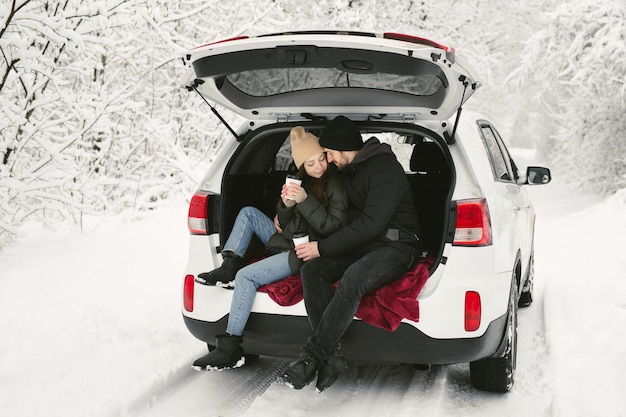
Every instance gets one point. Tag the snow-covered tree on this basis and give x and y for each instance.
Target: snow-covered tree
(93, 114)
(576, 63)
(94, 119)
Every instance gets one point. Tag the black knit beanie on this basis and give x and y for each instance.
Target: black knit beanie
(341, 134)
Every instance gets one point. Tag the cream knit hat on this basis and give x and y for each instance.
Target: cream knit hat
(303, 145)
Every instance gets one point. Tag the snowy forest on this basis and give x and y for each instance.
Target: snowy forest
(94, 119)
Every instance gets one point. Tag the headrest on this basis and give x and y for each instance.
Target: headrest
(428, 158)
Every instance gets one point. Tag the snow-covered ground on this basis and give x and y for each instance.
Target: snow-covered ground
(91, 326)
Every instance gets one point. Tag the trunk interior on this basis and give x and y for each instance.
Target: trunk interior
(256, 172)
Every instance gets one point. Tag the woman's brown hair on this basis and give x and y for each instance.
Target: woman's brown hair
(317, 185)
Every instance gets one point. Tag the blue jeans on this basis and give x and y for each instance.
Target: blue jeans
(251, 221)
(331, 312)
(247, 280)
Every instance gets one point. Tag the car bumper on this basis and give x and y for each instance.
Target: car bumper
(282, 335)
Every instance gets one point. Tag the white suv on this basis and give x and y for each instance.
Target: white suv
(477, 221)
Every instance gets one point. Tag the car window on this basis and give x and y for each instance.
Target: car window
(398, 143)
(269, 82)
(402, 150)
(497, 152)
(283, 161)
(507, 157)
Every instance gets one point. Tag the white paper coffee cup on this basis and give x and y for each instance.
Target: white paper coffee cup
(300, 238)
(292, 179)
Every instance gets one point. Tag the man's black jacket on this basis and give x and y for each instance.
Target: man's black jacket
(381, 207)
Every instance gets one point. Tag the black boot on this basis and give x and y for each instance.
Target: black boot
(300, 373)
(225, 273)
(331, 370)
(228, 354)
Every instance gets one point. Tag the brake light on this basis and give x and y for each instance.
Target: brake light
(188, 292)
(472, 311)
(450, 52)
(414, 39)
(223, 40)
(473, 223)
(198, 213)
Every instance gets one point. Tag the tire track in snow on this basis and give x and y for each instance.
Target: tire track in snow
(383, 390)
(208, 393)
(252, 386)
(162, 390)
(536, 376)
(362, 390)
(375, 390)
(426, 393)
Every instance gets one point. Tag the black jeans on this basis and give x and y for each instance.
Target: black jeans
(331, 312)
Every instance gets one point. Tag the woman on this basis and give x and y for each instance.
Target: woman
(317, 207)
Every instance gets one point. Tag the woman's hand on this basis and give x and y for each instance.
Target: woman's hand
(285, 196)
(295, 193)
(307, 251)
(277, 224)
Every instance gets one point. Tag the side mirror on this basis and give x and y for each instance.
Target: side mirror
(538, 175)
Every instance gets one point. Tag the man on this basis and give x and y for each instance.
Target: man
(380, 243)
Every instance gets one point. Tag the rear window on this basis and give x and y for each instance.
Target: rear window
(269, 82)
(396, 141)
(306, 75)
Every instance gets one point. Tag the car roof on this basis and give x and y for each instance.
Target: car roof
(331, 72)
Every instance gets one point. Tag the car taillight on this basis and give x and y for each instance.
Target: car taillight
(188, 293)
(413, 39)
(472, 311)
(450, 52)
(473, 224)
(235, 38)
(198, 212)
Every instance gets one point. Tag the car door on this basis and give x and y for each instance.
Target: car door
(286, 76)
(514, 206)
(522, 206)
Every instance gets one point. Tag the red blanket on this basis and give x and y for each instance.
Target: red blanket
(384, 307)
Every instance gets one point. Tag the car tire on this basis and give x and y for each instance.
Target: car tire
(497, 374)
(526, 297)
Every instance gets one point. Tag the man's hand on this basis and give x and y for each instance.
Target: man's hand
(307, 251)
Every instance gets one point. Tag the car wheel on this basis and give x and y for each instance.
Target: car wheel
(497, 374)
(526, 297)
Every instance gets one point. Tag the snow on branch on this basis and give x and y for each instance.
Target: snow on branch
(577, 60)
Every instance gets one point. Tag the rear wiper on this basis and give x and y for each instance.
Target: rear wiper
(194, 87)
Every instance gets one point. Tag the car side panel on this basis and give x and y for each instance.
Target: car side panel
(502, 198)
(442, 309)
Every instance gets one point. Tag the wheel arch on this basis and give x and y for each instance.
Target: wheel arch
(514, 292)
